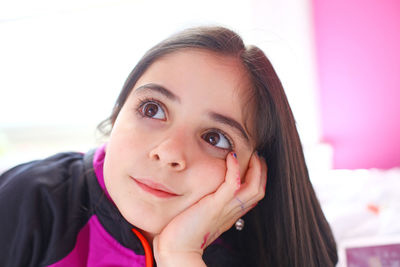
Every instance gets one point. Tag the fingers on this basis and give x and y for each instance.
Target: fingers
(232, 181)
(255, 180)
(235, 198)
(253, 189)
(264, 174)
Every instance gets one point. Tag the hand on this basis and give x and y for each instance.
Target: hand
(184, 239)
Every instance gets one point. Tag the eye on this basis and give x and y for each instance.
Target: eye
(152, 110)
(218, 139)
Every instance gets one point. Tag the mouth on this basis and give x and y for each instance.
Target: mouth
(155, 189)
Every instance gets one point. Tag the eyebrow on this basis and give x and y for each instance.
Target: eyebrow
(159, 89)
(230, 122)
(213, 115)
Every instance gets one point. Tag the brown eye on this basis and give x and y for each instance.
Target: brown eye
(217, 139)
(150, 110)
(212, 138)
(153, 110)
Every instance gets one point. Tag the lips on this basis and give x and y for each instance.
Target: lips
(155, 189)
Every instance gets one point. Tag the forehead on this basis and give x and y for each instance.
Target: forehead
(201, 78)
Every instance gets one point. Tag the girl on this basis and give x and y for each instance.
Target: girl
(182, 180)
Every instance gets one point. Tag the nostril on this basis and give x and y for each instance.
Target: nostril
(156, 157)
(174, 164)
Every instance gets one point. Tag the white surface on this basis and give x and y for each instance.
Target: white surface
(362, 206)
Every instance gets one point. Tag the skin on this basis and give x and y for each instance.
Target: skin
(174, 142)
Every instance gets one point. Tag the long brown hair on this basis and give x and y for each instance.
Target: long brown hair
(287, 227)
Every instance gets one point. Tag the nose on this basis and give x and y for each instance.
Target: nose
(170, 153)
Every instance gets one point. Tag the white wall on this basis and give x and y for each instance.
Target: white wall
(62, 63)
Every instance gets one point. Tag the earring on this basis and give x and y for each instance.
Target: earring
(239, 224)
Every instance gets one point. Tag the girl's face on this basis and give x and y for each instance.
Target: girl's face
(168, 145)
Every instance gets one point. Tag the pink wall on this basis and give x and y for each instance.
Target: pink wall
(358, 58)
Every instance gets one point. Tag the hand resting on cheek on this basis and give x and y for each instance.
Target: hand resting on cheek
(190, 232)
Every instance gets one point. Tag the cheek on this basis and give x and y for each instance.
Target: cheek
(210, 174)
(244, 164)
(124, 147)
(128, 136)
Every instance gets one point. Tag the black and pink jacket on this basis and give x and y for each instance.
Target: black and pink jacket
(56, 212)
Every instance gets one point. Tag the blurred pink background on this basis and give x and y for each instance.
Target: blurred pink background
(358, 68)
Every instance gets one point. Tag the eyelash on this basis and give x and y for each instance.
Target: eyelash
(144, 101)
(147, 100)
(230, 141)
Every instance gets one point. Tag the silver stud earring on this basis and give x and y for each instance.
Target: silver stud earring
(239, 224)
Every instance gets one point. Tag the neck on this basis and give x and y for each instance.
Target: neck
(149, 237)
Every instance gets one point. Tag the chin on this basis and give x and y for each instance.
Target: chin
(149, 231)
(153, 229)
